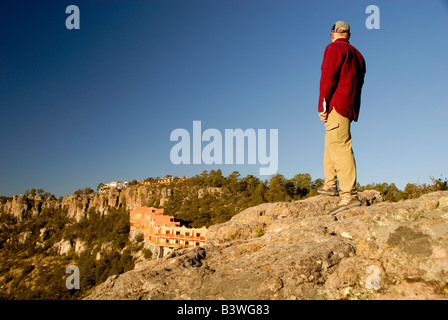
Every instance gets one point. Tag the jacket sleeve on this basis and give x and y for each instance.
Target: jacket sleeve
(330, 71)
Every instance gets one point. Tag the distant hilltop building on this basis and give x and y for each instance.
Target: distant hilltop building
(114, 184)
(161, 233)
(162, 181)
(148, 182)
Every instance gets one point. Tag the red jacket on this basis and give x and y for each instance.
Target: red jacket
(343, 69)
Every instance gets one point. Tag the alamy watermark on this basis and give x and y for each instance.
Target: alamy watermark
(373, 20)
(72, 281)
(234, 147)
(73, 20)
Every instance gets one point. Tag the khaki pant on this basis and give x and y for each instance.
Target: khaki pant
(339, 160)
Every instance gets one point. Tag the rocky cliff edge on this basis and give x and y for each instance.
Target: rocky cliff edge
(295, 250)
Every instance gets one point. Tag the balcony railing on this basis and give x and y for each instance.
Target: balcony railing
(175, 236)
(174, 244)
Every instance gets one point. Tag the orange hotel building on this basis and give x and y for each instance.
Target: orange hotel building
(162, 231)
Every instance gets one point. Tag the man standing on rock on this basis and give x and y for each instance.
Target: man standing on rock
(343, 69)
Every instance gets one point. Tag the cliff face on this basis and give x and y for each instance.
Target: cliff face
(295, 250)
(22, 206)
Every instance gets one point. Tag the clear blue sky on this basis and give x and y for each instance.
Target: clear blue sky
(80, 107)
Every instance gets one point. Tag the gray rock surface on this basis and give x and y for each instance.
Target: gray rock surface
(296, 250)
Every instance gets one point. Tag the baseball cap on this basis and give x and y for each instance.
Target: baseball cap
(341, 24)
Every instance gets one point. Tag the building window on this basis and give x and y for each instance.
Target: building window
(198, 234)
(168, 232)
(197, 244)
(186, 243)
(187, 234)
(178, 233)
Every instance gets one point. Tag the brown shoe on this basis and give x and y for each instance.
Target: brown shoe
(346, 203)
(333, 191)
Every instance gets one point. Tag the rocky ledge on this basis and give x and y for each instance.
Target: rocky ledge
(296, 250)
